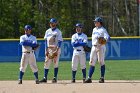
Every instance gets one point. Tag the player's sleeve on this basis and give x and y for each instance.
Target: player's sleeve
(106, 35)
(60, 36)
(35, 40)
(75, 42)
(45, 37)
(21, 39)
(34, 43)
(25, 42)
(60, 39)
(85, 39)
(46, 44)
(31, 43)
(59, 44)
(72, 39)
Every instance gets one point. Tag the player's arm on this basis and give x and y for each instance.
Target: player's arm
(60, 39)
(83, 42)
(46, 48)
(46, 44)
(59, 43)
(25, 42)
(35, 45)
(106, 36)
(74, 41)
(28, 43)
(78, 43)
(45, 36)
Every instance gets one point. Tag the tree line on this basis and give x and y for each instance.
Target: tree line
(120, 16)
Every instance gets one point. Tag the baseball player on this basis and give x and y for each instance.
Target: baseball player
(78, 40)
(53, 39)
(28, 41)
(98, 50)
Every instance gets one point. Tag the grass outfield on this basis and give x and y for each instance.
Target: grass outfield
(115, 70)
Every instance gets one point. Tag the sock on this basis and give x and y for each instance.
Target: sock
(21, 75)
(36, 75)
(55, 72)
(84, 73)
(46, 73)
(73, 74)
(102, 71)
(91, 71)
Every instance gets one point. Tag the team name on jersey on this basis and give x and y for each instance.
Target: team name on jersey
(96, 33)
(79, 40)
(51, 34)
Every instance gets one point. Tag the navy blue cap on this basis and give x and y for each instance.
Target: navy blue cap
(79, 25)
(98, 19)
(53, 20)
(28, 27)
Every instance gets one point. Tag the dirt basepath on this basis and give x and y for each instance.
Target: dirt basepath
(65, 86)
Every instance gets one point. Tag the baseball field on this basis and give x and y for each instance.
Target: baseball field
(122, 76)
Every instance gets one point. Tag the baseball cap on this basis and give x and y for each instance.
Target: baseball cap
(79, 25)
(28, 27)
(98, 19)
(53, 20)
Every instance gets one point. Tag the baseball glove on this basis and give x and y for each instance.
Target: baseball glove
(87, 48)
(36, 47)
(101, 40)
(51, 53)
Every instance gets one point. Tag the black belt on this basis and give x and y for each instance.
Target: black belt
(28, 52)
(78, 50)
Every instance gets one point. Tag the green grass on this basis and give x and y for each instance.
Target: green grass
(115, 70)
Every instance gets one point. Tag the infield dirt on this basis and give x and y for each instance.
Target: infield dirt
(65, 86)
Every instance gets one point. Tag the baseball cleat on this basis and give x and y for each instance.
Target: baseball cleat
(43, 80)
(20, 82)
(101, 80)
(83, 80)
(37, 81)
(54, 80)
(88, 81)
(73, 81)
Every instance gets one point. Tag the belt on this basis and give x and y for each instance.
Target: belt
(28, 52)
(78, 50)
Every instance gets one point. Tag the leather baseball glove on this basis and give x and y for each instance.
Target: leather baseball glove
(36, 47)
(51, 53)
(101, 40)
(87, 48)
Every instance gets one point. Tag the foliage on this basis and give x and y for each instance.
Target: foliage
(14, 14)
